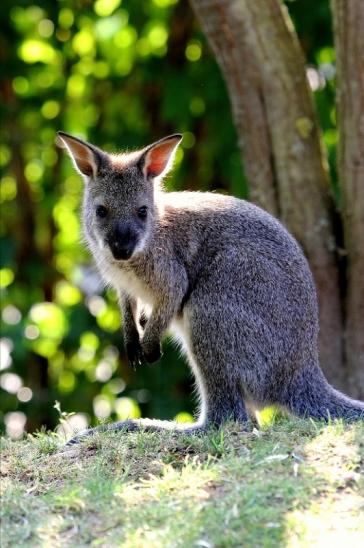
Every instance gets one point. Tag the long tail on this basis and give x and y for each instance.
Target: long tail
(310, 395)
(132, 425)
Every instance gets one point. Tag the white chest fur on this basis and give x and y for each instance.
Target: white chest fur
(124, 280)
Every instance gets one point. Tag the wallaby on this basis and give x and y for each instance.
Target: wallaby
(222, 274)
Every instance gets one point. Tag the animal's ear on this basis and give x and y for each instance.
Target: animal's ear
(157, 159)
(87, 158)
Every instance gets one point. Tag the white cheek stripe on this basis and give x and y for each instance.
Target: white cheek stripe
(100, 243)
(140, 245)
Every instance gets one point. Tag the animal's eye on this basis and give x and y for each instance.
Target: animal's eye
(142, 212)
(101, 211)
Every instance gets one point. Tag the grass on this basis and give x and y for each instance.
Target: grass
(294, 483)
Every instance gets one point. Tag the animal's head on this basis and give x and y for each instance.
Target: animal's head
(119, 208)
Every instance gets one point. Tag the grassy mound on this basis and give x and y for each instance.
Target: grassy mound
(294, 483)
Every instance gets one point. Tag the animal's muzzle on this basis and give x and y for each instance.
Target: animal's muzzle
(122, 242)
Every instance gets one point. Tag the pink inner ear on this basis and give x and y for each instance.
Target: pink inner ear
(83, 157)
(157, 158)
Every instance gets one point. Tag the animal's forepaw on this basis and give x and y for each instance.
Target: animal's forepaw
(152, 353)
(134, 353)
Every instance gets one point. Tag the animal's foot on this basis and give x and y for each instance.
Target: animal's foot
(134, 353)
(152, 353)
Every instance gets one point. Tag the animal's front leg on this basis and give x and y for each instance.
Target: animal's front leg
(130, 331)
(153, 332)
(164, 310)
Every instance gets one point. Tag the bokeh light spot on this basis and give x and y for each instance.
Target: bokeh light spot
(116, 386)
(76, 86)
(83, 43)
(34, 171)
(104, 8)
(8, 189)
(11, 315)
(74, 423)
(183, 417)
(157, 36)
(102, 407)
(66, 18)
(193, 51)
(197, 106)
(45, 28)
(125, 37)
(6, 346)
(109, 319)
(20, 85)
(188, 139)
(6, 277)
(34, 51)
(103, 371)
(15, 423)
(24, 394)
(50, 319)
(31, 332)
(127, 408)
(96, 305)
(67, 381)
(10, 382)
(5, 155)
(50, 109)
(67, 294)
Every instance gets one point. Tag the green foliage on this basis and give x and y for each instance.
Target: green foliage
(120, 74)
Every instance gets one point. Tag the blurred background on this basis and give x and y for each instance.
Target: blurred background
(120, 74)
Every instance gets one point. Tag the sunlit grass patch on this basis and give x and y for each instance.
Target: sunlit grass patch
(191, 482)
(333, 521)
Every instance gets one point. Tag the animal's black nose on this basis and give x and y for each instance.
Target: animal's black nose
(121, 252)
(122, 242)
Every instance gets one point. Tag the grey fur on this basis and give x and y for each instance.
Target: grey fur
(229, 281)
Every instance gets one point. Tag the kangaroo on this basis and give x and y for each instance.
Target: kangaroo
(222, 274)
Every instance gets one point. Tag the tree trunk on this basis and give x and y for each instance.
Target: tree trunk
(241, 71)
(261, 60)
(349, 41)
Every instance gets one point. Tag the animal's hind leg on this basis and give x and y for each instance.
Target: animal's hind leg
(213, 358)
(224, 402)
(220, 395)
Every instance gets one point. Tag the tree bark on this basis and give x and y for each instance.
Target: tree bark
(349, 42)
(240, 68)
(263, 66)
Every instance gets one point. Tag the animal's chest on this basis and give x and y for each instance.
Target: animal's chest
(128, 282)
